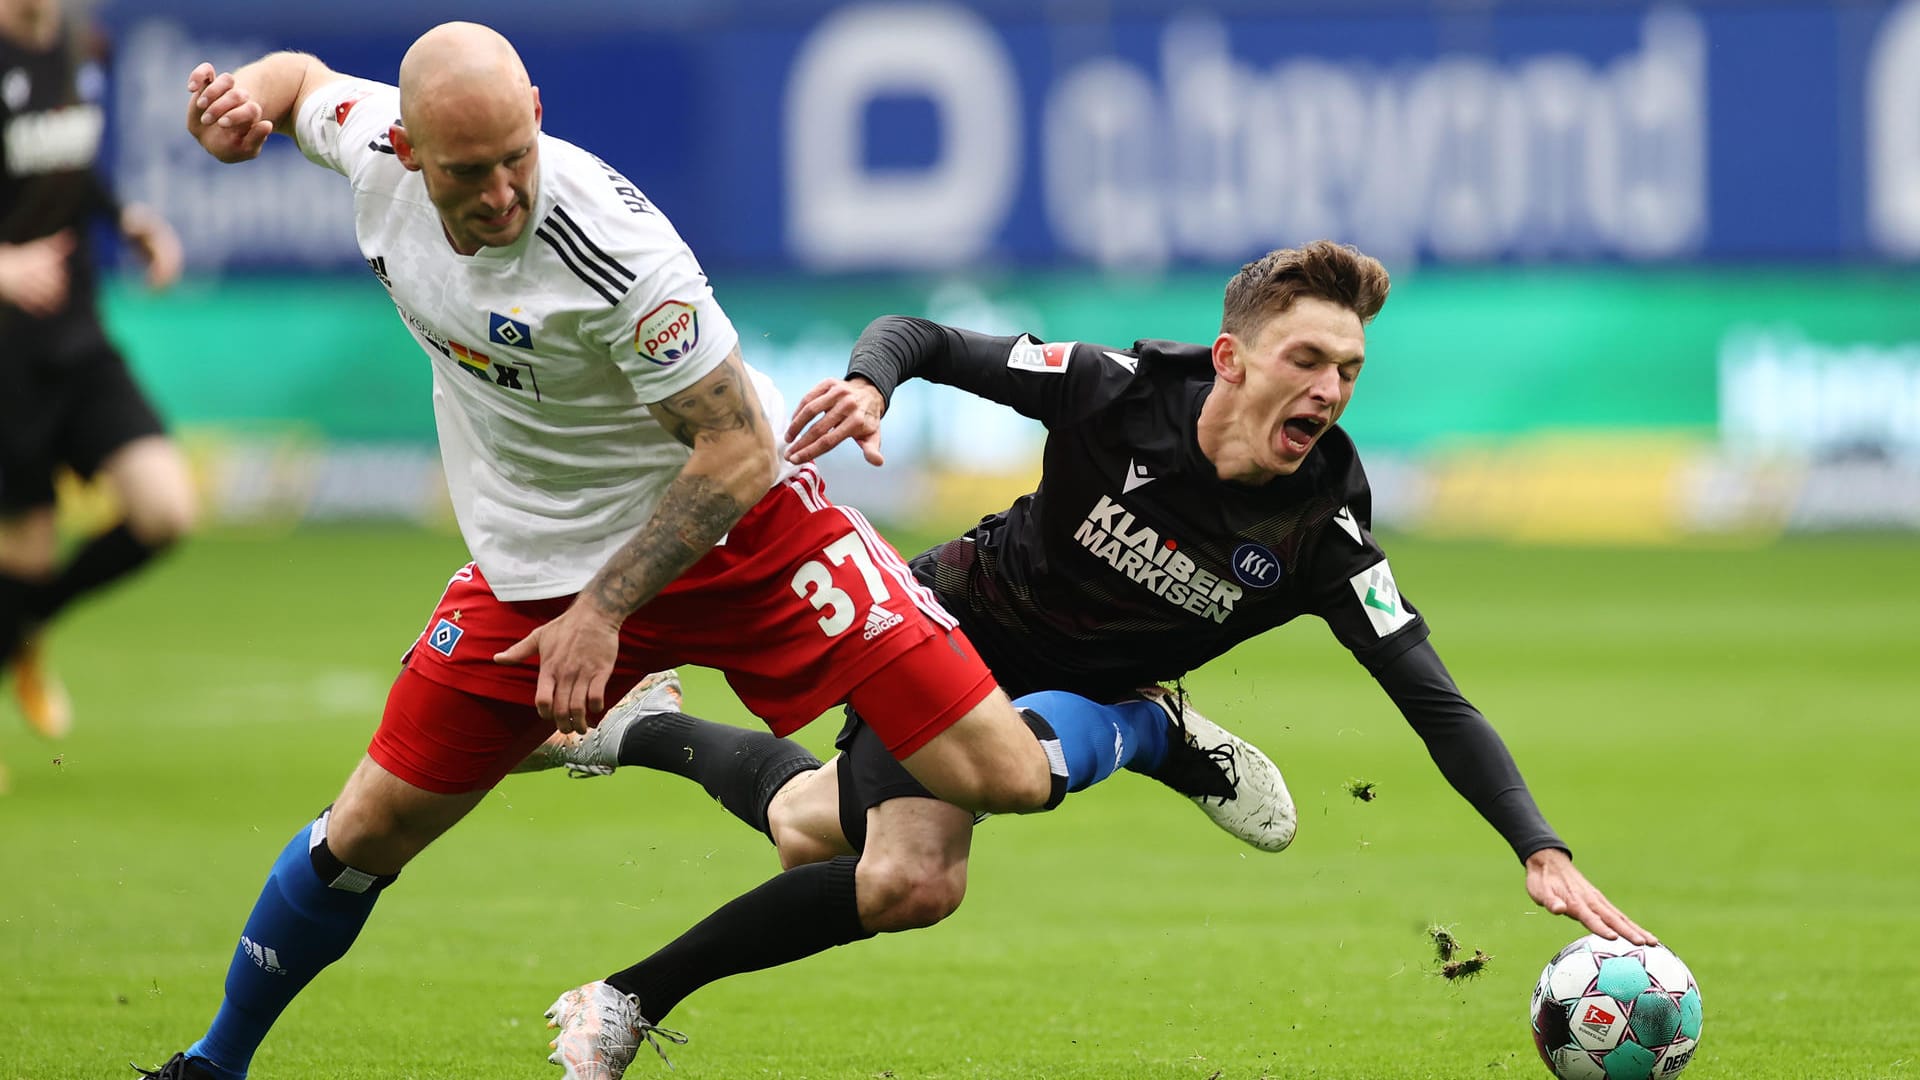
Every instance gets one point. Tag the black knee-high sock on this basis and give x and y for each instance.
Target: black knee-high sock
(740, 767)
(805, 910)
(15, 596)
(104, 559)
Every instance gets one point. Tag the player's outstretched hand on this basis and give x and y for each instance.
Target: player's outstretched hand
(576, 653)
(1556, 885)
(33, 275)
(159, 245)
(228, 123)
(838, 409)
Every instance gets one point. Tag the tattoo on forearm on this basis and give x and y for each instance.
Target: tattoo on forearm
(719, 402)
(694, 513)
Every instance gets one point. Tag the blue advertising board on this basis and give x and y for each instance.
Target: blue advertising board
(932, 135)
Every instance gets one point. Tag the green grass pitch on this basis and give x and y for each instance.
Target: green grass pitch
(1728, 738)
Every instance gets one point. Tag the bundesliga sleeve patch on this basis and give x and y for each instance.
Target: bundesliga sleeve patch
(1380, 598)
(1029, 355)
(668, 333)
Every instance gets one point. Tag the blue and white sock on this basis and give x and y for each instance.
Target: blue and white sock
(1093, 739)
(311, 909)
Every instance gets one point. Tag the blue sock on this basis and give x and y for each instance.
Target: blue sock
(300, 924)
(1097, 739)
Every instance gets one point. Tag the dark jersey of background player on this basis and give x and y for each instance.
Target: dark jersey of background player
(67, 398)
(1133, 562)
(49, 141)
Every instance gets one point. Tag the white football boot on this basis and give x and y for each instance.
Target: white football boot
(600, 1031)
(597, 751)
(1228, 778)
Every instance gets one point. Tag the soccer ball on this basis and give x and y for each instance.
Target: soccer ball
(1613, 1010)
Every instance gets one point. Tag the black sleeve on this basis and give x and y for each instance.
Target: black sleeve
(1045, 381)
(99, 199)
(1464, 745)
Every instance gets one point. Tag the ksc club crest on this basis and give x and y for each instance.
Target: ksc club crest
(1256, 566)
(667, 333)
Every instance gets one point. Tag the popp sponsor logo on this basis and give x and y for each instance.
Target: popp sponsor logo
(668, 333)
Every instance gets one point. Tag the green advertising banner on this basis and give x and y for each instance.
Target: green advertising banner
(1454, 355)
(1515, 376)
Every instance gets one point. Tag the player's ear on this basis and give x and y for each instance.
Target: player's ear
(537, 111)
(403, 148)
(1228, 363)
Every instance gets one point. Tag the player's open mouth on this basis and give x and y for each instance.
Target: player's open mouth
(1299, 432)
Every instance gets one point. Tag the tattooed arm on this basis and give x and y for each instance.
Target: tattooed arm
(731, 468)
(732, 465)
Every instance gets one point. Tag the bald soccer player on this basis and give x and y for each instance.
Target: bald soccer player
(601, 435)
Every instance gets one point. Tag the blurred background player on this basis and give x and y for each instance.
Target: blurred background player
(69, 399)
(599, 448)
(1191, 498)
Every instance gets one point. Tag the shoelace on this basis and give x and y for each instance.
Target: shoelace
(647, 1031)
(174, 1069)
(1206, 763)
(643, 1030)
(1222, 758)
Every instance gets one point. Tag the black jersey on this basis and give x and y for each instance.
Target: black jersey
(1132, 562)
(49, 142)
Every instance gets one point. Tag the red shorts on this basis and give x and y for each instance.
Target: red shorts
(802, 607)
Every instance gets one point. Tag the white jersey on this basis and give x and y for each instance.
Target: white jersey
(545, 353)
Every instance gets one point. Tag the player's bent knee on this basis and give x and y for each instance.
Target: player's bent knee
(798, 847)
(908, 895)
(164, 527)
(368, 836)
(803, 819)
(163, 522)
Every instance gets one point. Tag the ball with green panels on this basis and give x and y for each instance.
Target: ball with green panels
(1613, 1010)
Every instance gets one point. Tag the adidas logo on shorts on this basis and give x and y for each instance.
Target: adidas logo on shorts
(879, 621)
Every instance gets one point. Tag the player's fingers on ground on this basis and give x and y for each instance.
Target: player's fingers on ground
(1555, 897)
(1622, 925)
(1590, 917)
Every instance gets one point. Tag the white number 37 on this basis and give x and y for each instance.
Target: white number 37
(813, 583)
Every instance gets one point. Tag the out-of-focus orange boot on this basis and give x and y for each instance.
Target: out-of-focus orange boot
(43, 699)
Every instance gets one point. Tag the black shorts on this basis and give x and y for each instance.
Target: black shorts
(869, 776)
(75, 412)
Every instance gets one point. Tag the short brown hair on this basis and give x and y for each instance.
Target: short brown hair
(1269, 285)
